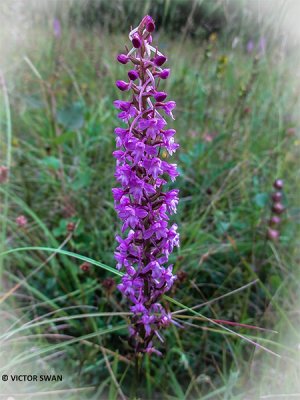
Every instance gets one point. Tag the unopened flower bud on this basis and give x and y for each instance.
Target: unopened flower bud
(133, 75)
(273, 234)
(278, 184)
(148, 23)
(109, 285)
(277, 196)
(150, 26)
(136, 41)
(291, 131)
(123, 59)
(164, 74)
(85, 267)
(21, 221)
(3, 174)
(278, 208)
(275, 220)
(181, 275)
(122, 85)
(159, 60)
(71, 227)
(160, 96)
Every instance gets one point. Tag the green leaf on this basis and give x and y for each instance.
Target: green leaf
(261, 199)
(51, 162)
(33, 102)
(185, 158)
(199, 150)
(83, 180)
(275, 281)
(66, 137)
(71, 117)
(176, 385)
(50, 283)
(61, 229)
(222, 227)
(224, 329)
(64, 252)
(43, 350)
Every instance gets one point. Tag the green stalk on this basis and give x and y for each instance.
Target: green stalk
(8, 163)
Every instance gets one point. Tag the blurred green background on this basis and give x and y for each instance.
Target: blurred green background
(233, 79)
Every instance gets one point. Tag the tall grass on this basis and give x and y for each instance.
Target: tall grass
(237, 126)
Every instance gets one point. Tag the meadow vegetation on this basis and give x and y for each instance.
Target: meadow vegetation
(237, 127)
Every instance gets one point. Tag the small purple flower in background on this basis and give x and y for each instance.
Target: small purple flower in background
(262, 45)
(56, 28)
(3, 174)
(209, 137)
(21, 221)
(250, 46)
(291, 131)
(141, 203)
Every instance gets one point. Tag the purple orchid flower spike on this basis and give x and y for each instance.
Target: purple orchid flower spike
(262, 44)
(56, 28)
(141, 202)
(250, 46)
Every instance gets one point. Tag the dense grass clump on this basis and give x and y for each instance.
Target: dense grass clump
(237, 127)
